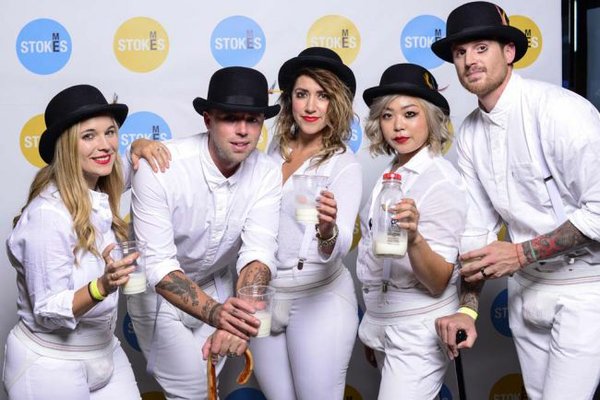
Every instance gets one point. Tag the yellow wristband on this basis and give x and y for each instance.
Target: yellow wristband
(94, 291)
(469, 311)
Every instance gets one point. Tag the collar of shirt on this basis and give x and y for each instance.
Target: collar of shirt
(212, 174)
(414, 167)
(509, 97)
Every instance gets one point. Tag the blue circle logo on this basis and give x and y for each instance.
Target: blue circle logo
(356, 137)
(129, 333)
(246, 393)
(43, 46)
(445, 393)
(417, 37)
(142, 124)
(239, 41)
(499, 313)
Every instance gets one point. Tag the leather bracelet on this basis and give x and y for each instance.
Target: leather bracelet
(94, 291)
(469, 311)
(329, 241)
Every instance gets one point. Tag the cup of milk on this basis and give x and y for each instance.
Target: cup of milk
(261, 298)
(306, 190)
(137, 279)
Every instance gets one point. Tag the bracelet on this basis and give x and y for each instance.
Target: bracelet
(469, 311)
(521, 265)
(94, 291)
(329, 241)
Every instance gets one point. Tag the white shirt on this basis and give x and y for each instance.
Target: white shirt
(194, 219)
(435, 186)
(41, 250)
(505, 182)
(345, 182)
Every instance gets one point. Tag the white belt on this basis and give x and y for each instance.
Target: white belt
(303, 282)
(69, 346)
(561, 272)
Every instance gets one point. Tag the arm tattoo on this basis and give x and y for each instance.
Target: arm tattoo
(255, 273)
(179, 286)
(564, 238)
(469, 293)
(209, 310)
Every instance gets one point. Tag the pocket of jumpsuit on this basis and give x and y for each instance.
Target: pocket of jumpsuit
(539, 307)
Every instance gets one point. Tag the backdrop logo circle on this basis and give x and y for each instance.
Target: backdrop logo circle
(29, 140)
(263, 140)
(238, 40)
(445, 393)
(416, 39)
(534, 39)
(508, 387)
(141, 44)
(246, 393)
(43, 46)
(356, 136)
(129, 333)
(337, 33)
(499, 313)
(142, 124)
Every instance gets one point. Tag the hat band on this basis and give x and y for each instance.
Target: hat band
(239, 100)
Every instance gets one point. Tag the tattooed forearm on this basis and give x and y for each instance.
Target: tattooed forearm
(564, 238)
(469, 293)
(209, 310)
(255, 273)
(179, 285)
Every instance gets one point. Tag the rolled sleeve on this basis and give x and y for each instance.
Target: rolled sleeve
(152, 222)
(259, 233)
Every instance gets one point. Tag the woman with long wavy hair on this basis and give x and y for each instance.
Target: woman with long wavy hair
(315, 311)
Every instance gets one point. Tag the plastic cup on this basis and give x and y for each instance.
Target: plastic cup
(261, 297)
(137, 279)
(472, 239)
(306, 190)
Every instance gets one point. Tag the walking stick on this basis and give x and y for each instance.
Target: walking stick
(242, 379)
(461, 336)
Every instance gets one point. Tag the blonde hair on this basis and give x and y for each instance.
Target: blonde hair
(338, 122)
(438, 125)
(66, 173)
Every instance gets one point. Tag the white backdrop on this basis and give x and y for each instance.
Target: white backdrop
(159, 57)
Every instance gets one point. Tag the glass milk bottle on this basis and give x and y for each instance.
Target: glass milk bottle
(389, 240)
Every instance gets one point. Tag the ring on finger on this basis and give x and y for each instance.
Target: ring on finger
(482, 270)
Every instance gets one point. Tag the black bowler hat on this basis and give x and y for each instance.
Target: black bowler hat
(479, 20)
(237, 89)
(316, 57)
(72, 105)
(408, 79)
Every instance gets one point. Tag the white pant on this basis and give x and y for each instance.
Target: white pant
(409, 354)
(175, 346)
(35, 377)
(309, 359)
(556, 329)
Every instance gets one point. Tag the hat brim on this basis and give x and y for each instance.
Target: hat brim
(201, 105)
(290, 69)
(51, 134)
(433, 97)
(443, 47)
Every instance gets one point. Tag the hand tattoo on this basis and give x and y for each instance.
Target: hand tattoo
(561, 240)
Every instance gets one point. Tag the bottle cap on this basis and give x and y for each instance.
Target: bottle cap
(392, 175)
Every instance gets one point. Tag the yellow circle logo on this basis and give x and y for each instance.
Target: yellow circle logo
(356, 234)
(263, 139)
(336, 33)
(141, 44)
(30, 140)
(153, 396)
(508, 387)
(534, 39)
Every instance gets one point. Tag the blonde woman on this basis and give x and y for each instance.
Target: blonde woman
(60, 246)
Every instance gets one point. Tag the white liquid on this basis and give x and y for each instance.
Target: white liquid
(136, 283)
(265, 323)
(307, 215)
(383, 248)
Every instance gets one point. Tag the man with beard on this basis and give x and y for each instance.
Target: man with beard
(527, 156)
(217, 205)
